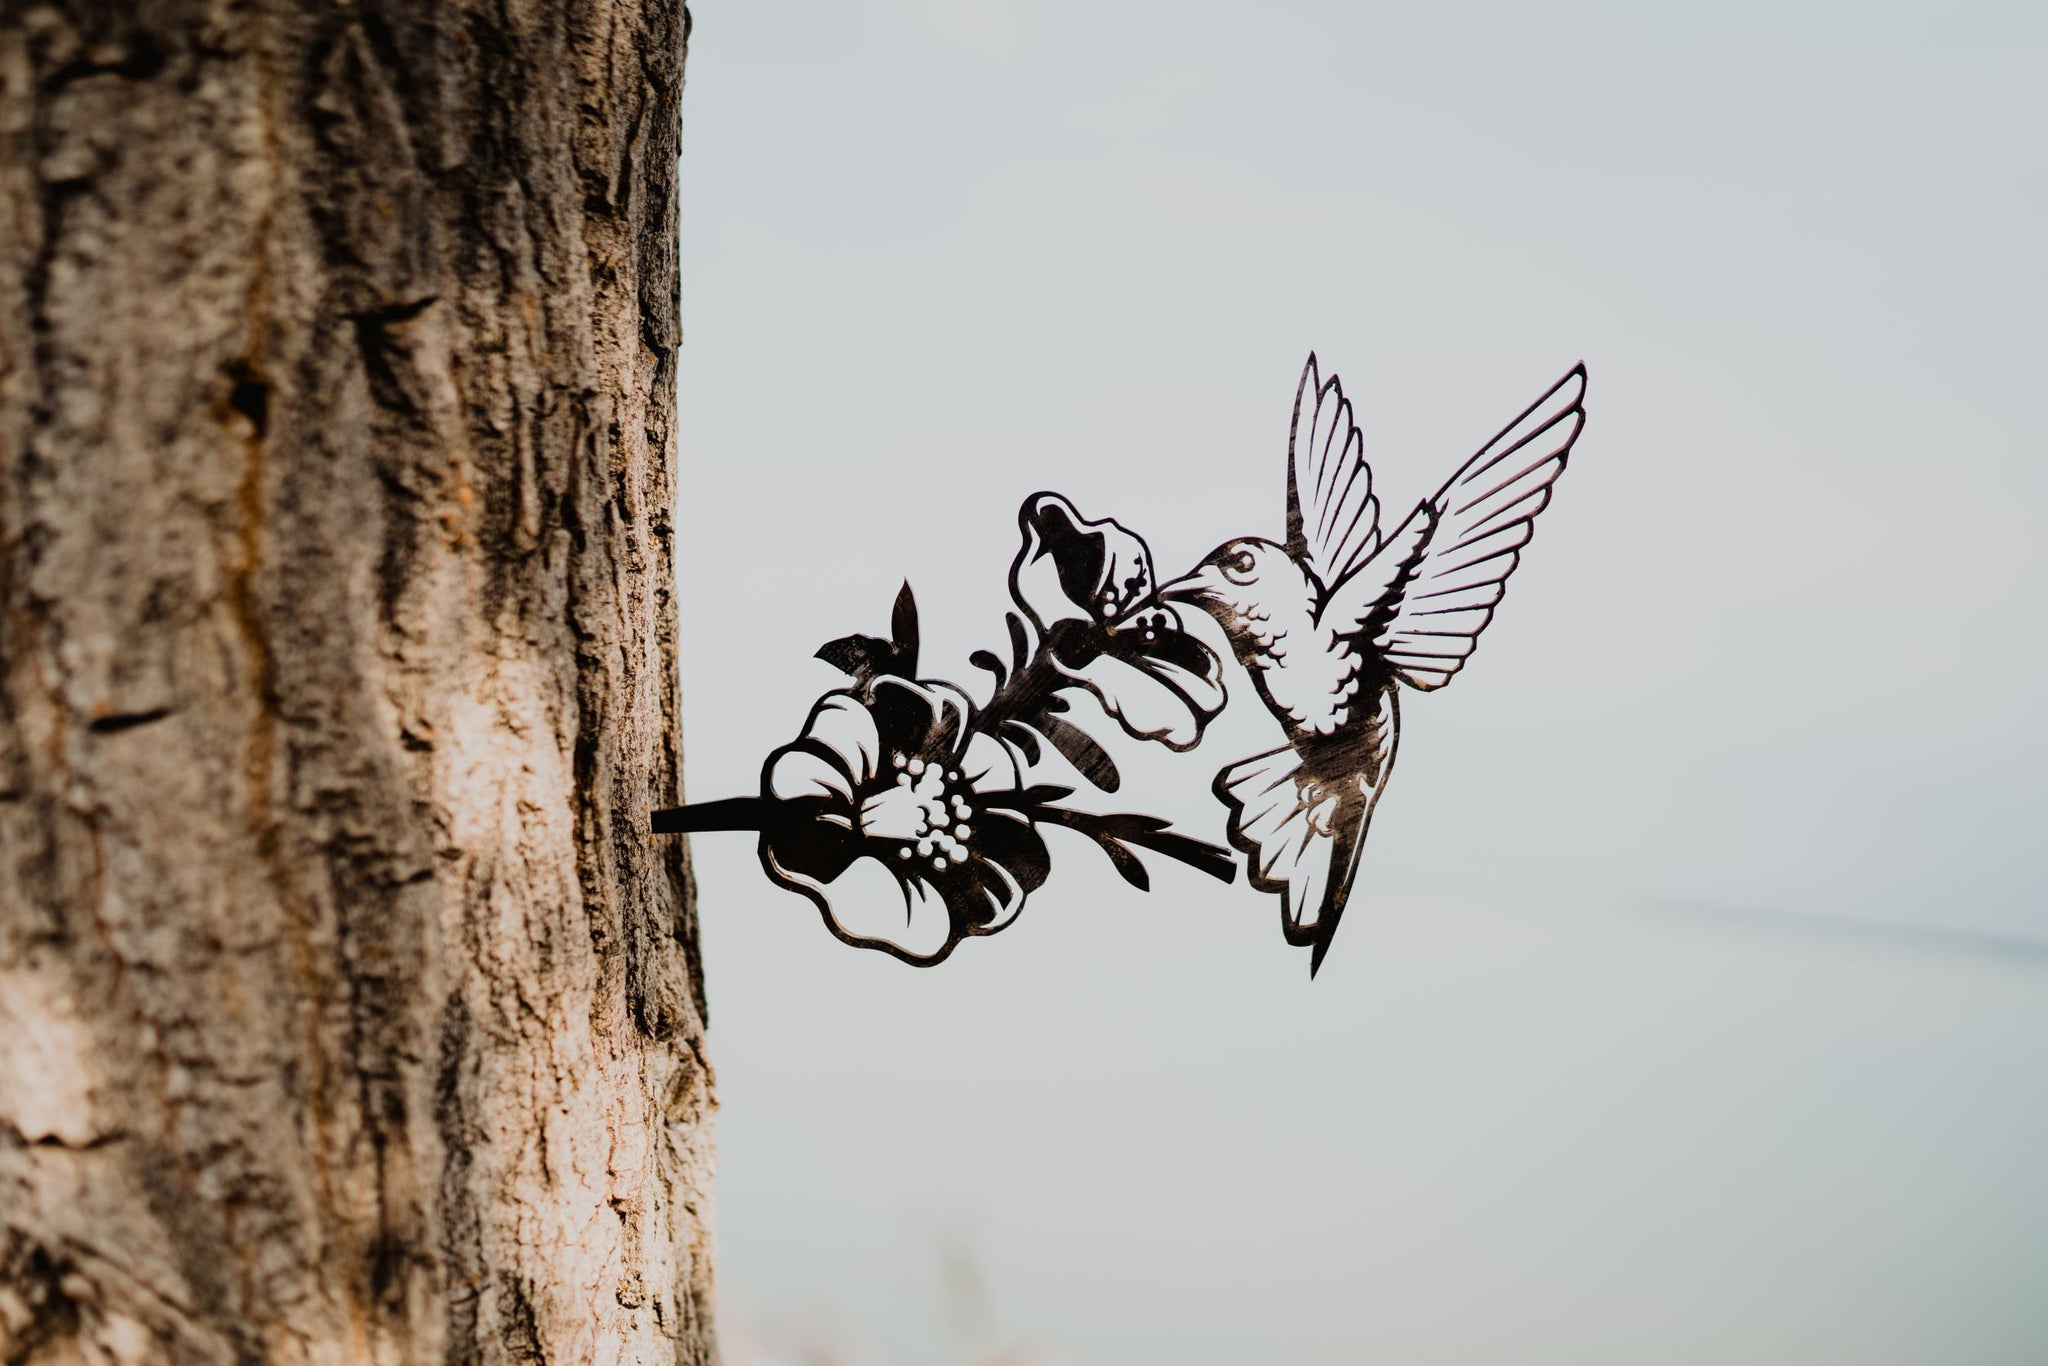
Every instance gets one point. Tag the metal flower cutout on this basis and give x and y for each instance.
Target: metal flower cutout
(901, 810)
(907, 813)
(890, 771)
(1088, 589)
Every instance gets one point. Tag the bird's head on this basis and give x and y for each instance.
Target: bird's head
(1240, 583)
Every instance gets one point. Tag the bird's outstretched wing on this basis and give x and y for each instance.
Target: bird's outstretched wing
(1332, 517)
(1423, 600)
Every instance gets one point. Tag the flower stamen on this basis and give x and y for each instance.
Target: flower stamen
(925, 811)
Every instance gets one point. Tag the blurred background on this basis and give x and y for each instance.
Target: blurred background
(1693, 1005)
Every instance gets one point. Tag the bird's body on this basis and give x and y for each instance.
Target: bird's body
(1330, 623)
(1310, 677)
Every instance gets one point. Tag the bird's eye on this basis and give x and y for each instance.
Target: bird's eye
(1238, 568)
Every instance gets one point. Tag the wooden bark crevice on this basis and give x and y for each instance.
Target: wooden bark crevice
(347, 1010)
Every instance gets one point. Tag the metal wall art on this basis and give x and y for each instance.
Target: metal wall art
(911, 815)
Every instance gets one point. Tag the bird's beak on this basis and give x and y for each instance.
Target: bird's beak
(1189, 588)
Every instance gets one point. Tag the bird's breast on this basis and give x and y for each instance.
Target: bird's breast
(1319, 687)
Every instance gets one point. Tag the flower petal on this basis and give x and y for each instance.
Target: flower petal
(798, 771)
(953, 709)
(901, 710)
(989, 765)
(1036, 587)
(986, 892)
(1070, 568)
(1003, 897)
(1013, 844)
(920, 718)
(1154, 639)
(1145, 705)
(1058, 569)
(1188, 667)
(874, 907)
(808, 854)
(842, 722)
(870, 907)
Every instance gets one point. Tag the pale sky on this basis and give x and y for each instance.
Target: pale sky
(1694, 1002)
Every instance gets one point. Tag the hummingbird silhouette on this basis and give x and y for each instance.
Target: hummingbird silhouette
(1333, 621)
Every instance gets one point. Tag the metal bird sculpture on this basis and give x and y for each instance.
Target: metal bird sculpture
(1332, 621)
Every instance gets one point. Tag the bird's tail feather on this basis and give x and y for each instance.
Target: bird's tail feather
(1301, 836)
(1272, 826)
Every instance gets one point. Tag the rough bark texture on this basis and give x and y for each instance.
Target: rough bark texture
(347, 1011)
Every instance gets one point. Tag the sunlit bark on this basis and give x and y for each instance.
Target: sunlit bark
(347, 1012)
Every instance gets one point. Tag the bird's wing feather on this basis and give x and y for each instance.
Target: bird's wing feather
(1423, 612)
(1332, 516)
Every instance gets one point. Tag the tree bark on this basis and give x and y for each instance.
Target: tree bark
(347, 1010)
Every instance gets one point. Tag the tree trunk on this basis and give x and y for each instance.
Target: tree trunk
(347, 1010)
